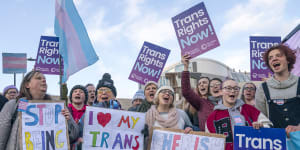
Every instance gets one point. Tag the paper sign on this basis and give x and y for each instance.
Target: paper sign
(175, 139)
(112, 129)
(195, 32)
(264, 138)
(43, 126)
(258, 45)
(47, 60)
(149, 64)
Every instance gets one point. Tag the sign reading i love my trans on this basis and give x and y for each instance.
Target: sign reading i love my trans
(195, 32)
(248, 138)
(47, 60)
(258, 45)
(112, 129)
(149, 64)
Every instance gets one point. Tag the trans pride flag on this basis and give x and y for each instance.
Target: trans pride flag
(293, 41)
(74, 43)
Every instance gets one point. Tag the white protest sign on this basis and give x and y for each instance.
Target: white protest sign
(175, 139)
(43, 125)
(112, 129)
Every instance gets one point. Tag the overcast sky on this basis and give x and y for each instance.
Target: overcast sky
(118, 28)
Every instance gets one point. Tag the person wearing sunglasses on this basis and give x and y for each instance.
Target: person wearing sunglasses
(248, 93)
(10, 92)
(233, 112)
(106, 93)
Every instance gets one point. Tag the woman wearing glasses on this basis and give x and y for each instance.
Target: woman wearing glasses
(33, 87)
(164, 114)
(106, 93)
(233, 112)
(248, 93)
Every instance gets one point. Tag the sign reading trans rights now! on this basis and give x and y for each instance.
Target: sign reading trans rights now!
(47, 60)
(194, 30)
(149, 64)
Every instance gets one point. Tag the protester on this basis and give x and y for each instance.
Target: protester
(278, 97)
(215, 90)
(197, 99)
(106, 93)
(92, 94)
(233, 112)
(164, 114)
(78, 97)
(3, 100)
(10, 92)
(248, 93)
(33, 87)
(137, 100)
(149, 92)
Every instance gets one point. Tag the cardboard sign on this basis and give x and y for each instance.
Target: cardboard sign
(112, 129)
(14, 63)
(149, 64)
(195, 32)
(43, 125)
(258, 45)
(264, 138)
(163, 138)
(47, 59)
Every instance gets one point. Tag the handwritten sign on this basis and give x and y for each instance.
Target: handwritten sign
(43, 126)
(175, 139)
(264, 138)
(149, 64)
(112, 129)
(195, 32)
(47, 60)
(258, 46)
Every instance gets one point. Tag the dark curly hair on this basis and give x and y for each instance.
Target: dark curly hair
(290, 55)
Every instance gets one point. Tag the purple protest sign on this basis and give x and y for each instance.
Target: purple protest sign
(195, 32)
(47, 59)
(149, 64)
(258, 45)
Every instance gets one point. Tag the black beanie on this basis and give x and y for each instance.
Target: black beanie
(83, 89)
(107, 82)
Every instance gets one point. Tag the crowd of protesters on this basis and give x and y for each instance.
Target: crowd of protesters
(208, 106)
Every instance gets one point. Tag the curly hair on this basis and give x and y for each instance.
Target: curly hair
(290, 55)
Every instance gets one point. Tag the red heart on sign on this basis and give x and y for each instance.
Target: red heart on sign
(103, 119)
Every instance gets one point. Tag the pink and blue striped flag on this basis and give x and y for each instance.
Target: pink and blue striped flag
(293, 41)
(74, 43)
(14, 62)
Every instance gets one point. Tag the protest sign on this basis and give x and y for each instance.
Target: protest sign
(195, 32)
(258, 45)
(149, 64)
(43, 125)
(112, 129)
(14, 63)
(263, 138)
(47, 59)
(166, 138)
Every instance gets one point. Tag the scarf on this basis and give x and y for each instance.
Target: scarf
(144, 106)
(153, 115)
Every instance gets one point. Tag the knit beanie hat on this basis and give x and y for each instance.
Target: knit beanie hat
(83, 89)
(9, 87)
(163, 88)
(107, 82)
(138, 95)
(150, 82)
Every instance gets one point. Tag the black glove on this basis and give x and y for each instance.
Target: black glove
(145, 131)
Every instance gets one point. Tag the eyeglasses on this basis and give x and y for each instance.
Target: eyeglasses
(101, 91)
(215, 85)
(167, 92)
(12, 92)
(249, 88)
(229, 88)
